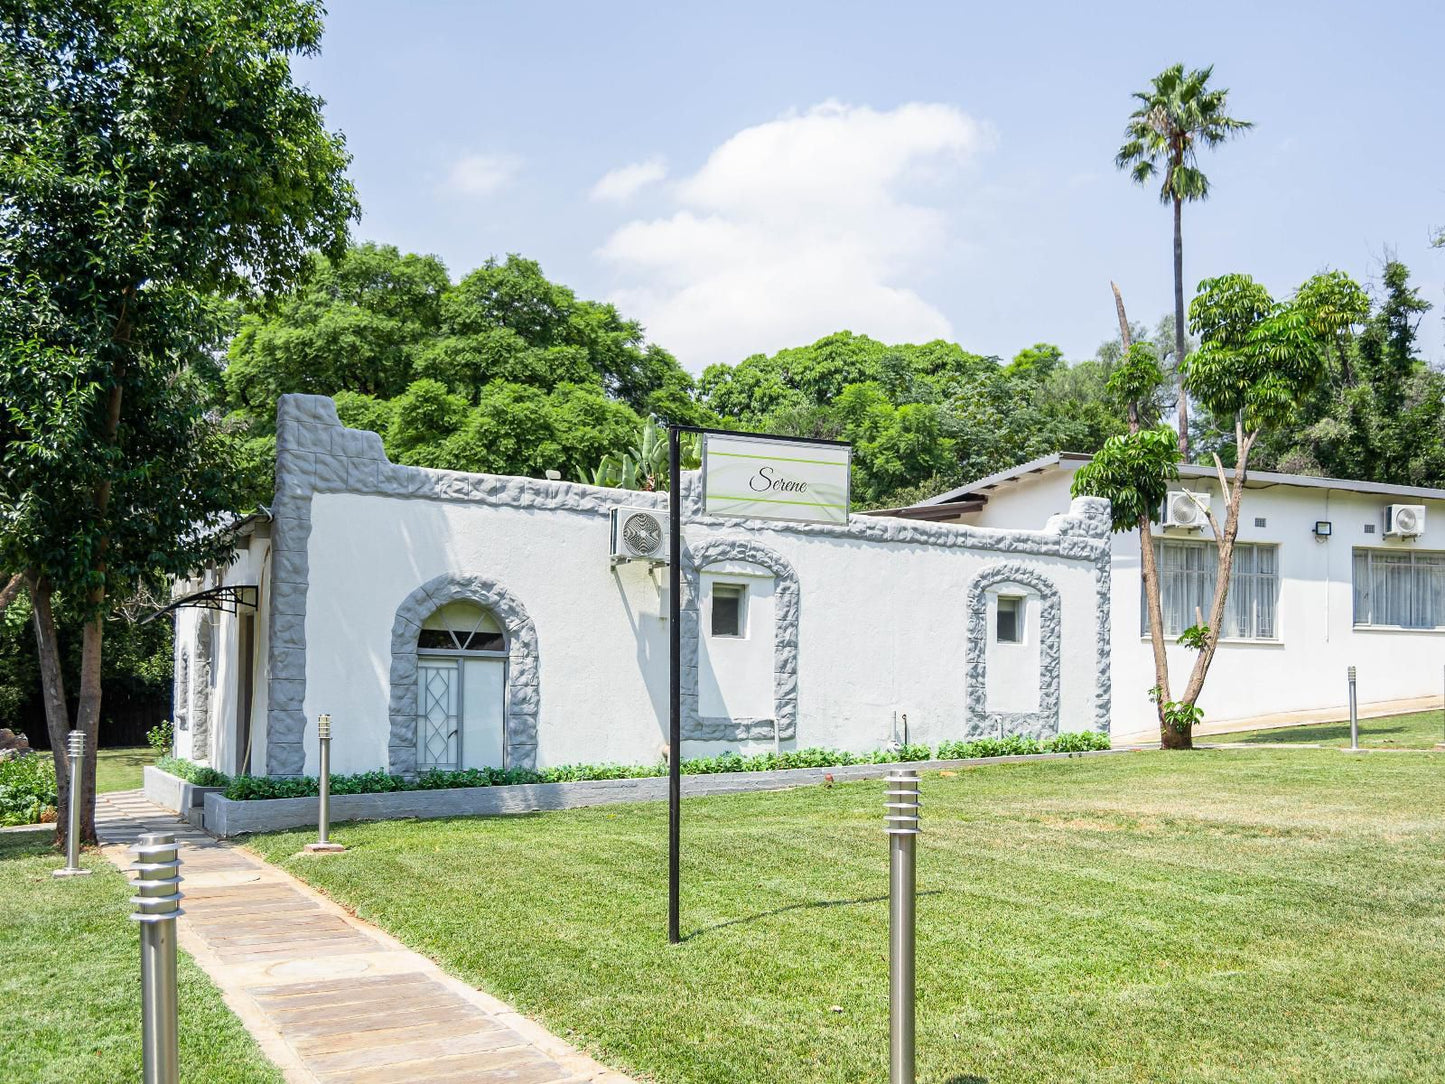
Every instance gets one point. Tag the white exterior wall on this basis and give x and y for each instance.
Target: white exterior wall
(219, 696)
(849, 629)
(1304, 667)
(882, 630)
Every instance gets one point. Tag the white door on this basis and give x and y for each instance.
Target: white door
(484, 690)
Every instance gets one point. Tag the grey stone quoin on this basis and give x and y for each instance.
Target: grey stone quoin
(1043, 723)
(315, 453)
(523, 691)
(696, 727)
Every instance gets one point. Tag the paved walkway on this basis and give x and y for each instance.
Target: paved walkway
(1375, 710)
(329, 997)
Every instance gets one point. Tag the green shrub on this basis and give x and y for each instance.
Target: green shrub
(191, 772)
(27, 788)
(1082, 742)
(1018, 745)
(254, 787)
(161, 738)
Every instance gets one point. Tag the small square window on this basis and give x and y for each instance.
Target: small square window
(728, 601)
(1009, 627)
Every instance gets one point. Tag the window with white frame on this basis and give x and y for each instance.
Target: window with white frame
(729, 609)
(1399, 588)
(1187, 572)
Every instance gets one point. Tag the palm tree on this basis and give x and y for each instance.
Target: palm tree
(1178, 114)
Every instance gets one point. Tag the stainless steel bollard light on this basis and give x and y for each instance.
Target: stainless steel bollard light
(75, 748)
(901, 820)
(1354, 715)
(323, 844)
(157, 906)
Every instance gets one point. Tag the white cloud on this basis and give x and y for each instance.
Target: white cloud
(796, 228)
(482, 174)
(623, 183)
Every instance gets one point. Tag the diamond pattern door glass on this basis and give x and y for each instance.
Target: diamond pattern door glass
(439, 719)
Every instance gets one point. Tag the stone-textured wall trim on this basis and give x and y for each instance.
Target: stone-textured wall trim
(202, 691)
(697, 727)
(1044, 722)
(523, 701)
(315, 453)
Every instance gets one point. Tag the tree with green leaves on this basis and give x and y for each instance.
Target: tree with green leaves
(1177, 115)
(155, 158)
(1258, 359)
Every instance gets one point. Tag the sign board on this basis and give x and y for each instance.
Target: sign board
(756, 477)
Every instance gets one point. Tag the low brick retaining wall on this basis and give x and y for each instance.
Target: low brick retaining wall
(225, 817)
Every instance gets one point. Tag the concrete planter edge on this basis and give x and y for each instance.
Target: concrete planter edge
(225, 817)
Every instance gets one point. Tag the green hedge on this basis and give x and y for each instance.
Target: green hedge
(192, 772)
(27, 788)
(253, 787)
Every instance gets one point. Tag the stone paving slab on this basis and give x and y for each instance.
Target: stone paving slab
(330, 998)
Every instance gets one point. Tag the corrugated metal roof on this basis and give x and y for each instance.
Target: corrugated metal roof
(1257, 479)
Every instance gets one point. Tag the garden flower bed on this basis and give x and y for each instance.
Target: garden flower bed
(257, 803)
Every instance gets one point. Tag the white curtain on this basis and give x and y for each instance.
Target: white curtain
(1402, 589)
(1186, 588)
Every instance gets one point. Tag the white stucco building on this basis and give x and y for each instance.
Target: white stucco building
(455, 620)
(1326, 576)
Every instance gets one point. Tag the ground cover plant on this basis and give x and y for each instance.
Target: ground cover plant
(254, 787)
(27, 789)
(1260, 915)
(71, 983)
(1415, 730)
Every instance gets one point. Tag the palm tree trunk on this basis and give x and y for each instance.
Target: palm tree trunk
(1179, 328)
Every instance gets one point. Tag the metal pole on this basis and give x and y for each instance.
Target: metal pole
(674, 688)
(1354, 715)
(323, 844)
(901, 820)
(157, 905)
(75, 749)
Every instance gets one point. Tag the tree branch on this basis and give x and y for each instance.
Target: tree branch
(10, 591)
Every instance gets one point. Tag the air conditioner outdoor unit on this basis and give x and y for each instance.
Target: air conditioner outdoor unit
(1404, 520)
(1185, 509)
(639, 534)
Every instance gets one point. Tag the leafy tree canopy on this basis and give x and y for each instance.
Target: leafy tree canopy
(503, 372)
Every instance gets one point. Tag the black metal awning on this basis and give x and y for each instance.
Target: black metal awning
(227, 599)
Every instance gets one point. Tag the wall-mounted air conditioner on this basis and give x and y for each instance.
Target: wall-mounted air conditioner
(639, 534)
(1185, 509)
(1404, 520)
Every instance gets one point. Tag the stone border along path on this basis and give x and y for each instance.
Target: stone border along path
(328, 997)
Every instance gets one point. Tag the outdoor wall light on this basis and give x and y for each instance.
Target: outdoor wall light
(1322, 528)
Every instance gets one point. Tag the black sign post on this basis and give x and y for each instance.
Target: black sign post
(674, 654)
(674, 686)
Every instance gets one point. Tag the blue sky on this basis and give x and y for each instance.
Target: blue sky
(747, 176)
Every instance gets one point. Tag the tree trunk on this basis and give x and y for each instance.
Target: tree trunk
(1169, 738)
(1225, 543)
(1126, 341)
(52, 688)
(87, 719)
(9, 592)
(1179, 328)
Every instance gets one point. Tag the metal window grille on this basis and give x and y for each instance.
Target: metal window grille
(438, 739)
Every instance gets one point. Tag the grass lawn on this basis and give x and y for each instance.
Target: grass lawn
(1419, 730)
(70, 984)
(1261, 915)
(120, 769)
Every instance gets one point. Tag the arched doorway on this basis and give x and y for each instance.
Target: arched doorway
(461, 659)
